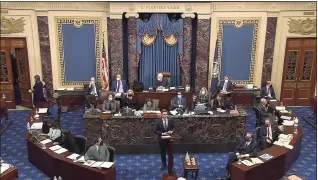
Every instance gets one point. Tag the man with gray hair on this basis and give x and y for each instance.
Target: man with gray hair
(161, 82)
(263, 112)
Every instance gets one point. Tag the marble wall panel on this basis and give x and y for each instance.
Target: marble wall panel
(45, 52)
(269, 48)
(132, 54)
(187, 49)
(115, 44)
(202, 54)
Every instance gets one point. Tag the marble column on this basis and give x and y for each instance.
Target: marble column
(132, 53)
(269, 48)
(45, 52)
(115, 44)
(202, 55)
(187, 49)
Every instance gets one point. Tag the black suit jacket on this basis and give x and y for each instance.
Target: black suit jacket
(216, 104)
(131, 103)
(263, 113)
(251, 149)
(228, 88)
(263, 92)
(275, 132)
(163, 83)
(159, 128)
(90, 89)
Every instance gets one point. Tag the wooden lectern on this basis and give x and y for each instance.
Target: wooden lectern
(171, 175)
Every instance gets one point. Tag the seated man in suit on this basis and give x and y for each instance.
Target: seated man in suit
(109, 104)
(119, 85)
(268, 134)
(69, 143)
(128, 100)
(268, 91)
(163, 127)
(149, 105)
(92, 92)
(226, 85)
(179, 102)
(97, 152)
(204, 98)
(161, 82)
(263, 112)
(246, 148)
(193, 103)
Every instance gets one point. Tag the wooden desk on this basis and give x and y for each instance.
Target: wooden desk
(72, 97)
(244, 97)
(282, 160)
(313, 104)
(10, 174)
(190, 168)
(163, 97)
(52, 164)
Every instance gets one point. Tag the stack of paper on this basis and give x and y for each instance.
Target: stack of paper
(256, 161)
(99, 164)
(288, 123)
(173, 112)
(172, 88)
(60, 151)
(46, 141)
(247, 163)
(42, 110)
(280, 108)
(70, 89)
(284, 111)
(210, 112)
(81, 160)
(4, 167)
(286, 117)
(220, 110)
(60, 89)
(73, 156)
(106, 165)
(282, 144)
(91, 162)
(56, 147)
(37, 125)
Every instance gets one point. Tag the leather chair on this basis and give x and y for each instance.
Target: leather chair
(166, 75)
(112, 151)
(81, 143)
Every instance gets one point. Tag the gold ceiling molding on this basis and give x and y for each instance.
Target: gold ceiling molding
(262, 6)
(56, 6)
(302, 26)
(188, 8)
(11, 25)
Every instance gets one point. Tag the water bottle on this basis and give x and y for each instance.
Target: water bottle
(187, 157)
(295, 126)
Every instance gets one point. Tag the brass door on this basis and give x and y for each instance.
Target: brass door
(6, 81)
(299, 75)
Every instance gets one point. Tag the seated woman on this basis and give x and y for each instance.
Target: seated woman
(129, 100)
(149, 105)
(109, 104)
(217, 103)
(55, 133)
(203, 98)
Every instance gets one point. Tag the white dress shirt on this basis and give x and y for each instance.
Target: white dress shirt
(269, 92)
(54, 133)
(94, 92)
(121, 89)
(269, 133)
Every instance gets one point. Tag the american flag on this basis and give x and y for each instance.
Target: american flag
(104, 69)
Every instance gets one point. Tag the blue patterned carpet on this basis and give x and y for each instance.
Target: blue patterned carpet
(146, 167)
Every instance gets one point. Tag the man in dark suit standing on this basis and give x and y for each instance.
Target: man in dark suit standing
(263, 112)
(161, 82)
(92, 92)
(268, 134)
(268, 91)
(119, 85)
(163, 127)
(226, 85)
(246, 148)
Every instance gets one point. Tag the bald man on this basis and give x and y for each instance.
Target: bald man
(161, 81)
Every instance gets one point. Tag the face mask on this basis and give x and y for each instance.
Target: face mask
(267, 125)
(110, 99)
(118, 78)
(179, 96)
(129, 95)
(247, 138)
(149, 103)
(101, 143)
(203, 92)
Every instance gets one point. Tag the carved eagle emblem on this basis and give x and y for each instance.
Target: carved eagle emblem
(304, 27)
(11, 25)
